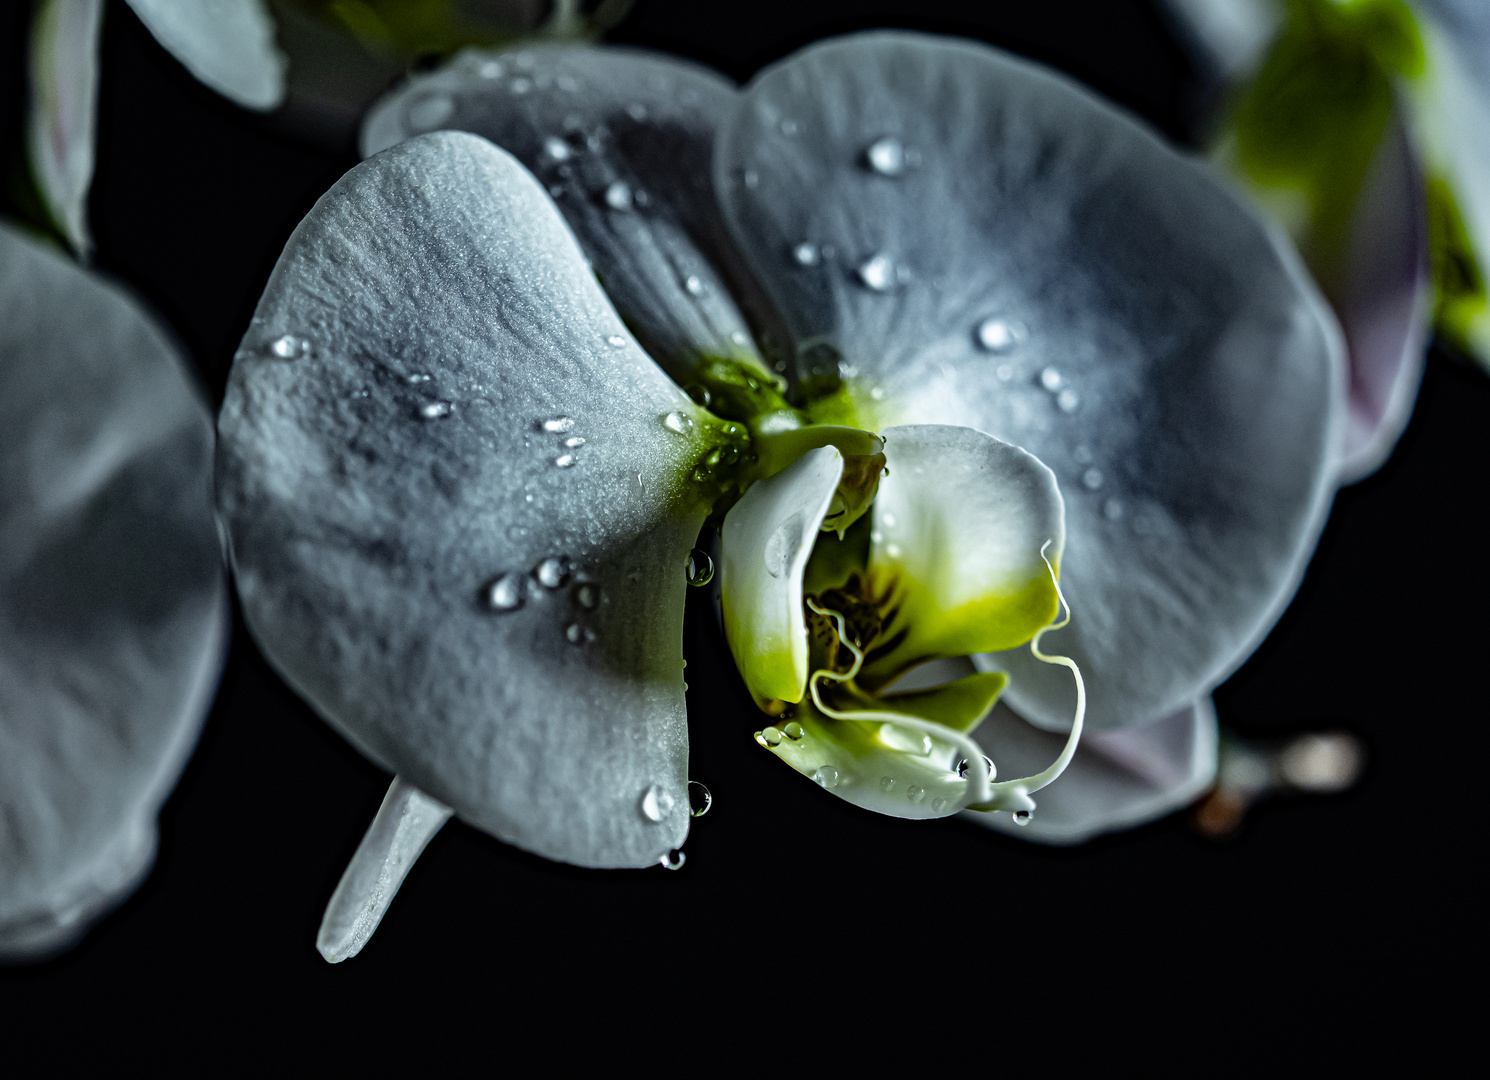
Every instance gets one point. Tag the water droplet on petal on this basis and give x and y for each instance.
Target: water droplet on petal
(1068, 400)
(938, 804)
(878, 272)
(768, 737)
(575, 633)
(1092, 478)
(574, 442)
(435, 410)
(588, 596)
(1052, 379)
(556, 149)
(752, 178)
(678, 421)
(618, 196)
(491, 69)
(700, 567)
(877, 393)
(790, 128)
(826, 776)
(673, 860)
(887, 783)
(558, 423)
(886, 156)
(1004, 372)
(962, 767)
(429, 112)
(656, 803)
(916, 794)
(637, 111)
(565, 461)
(793, 731)
(616, 341)
(520, 85)
(1113, 510)
(806, 254)
(417, 378)
(700, 798)
(999, 335)
(553, 572)
(289, 347)
(505, 593)
(1023, 817)
(694, 285)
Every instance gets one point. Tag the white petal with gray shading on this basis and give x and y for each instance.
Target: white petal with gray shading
(64, 107)
(459, 523)
(1040, 267)
(113, 614)
(227, 44)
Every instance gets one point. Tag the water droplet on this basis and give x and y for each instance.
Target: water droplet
(616, 341)
(739, 337)
(768, 737)
(1023, 817)
(700, 567)
(752, 178)
(878, 393)
(673, 860)
(574, 442)
(678, 421)
(962, 767)
(887, 783)
(657, 803)
(588, 596)
(700, 799)
(289, 347)
(429, 112)
(938, 804)
(505, 593)
(826, 776)
(637, 111)
(435, 410)
(1052, 379)
(553, 572)
(878, 272)
(520, 85)
(558, 423)
(575, 633)
(916, 794)
(892, 550)
(886, 156)
(1004, 372)
(491, 69)
(1068, 400)
(565, 461)
(1082, 455)
(618, 195)
(418, 378)
(793, 731)
(806, 254)
(998, 335)
(1113, 510)
(1092, 478)
(694, 285)
(567, 83)
(556, 149)
(782, 544)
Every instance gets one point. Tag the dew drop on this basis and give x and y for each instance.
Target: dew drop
(768, 737)
(656, 803)
(556, 149)
(1004, 372)
(826, 776)
(574, 442)
(588, 596)
(878, 272)
(694, 285)
(429, 112)
(553, 572)
(565, 461)
(700, 799)
(520, 85)
(673, 860)
(886, 156)
(618, 196)
(678, 421)
(567, 83)
(1023, 817)
(999, 335)
(700, 567)
(1092, 478)
(887, 783)
(1068, 400)
(558, 423)
(790, 128)
(1113, 510)
(491, 69)
(739, 337)
(938, 804)
(616, 341)
(1052, 379)
(752, 178)
(637, 111)
(916, 794)
(793, 731)
(575, 633)
(806, 254)
(289, 347)
(505, 593)
(417, 378)
(435, 410)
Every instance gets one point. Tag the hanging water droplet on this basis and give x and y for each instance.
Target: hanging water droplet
(999, 335)
(505, 593)
(1023, 817)
(878, 393)
(289, 347)
(826, 776)
(556, 149)
(793, 731)
(588, 596)
(694, 285)
(700, 798)
(565, 461)
(429, 112)
(673, 860)
(916, 794)
(678, 421)
(962, 767)
(656, 803)
(553, 572)
(1068, 400)
(887, 783)
(1092, 478)
(616, 341)
(1113, 510)
(558, 423)
(768, 737)
(700, 567)
(618, 195)
(886, 156)
(806, 254)
(435, 410)
(1052, 379)
(878, 272)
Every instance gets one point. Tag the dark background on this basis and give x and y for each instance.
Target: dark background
(801, 928)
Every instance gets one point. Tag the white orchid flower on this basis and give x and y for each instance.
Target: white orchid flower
(462, 482)
(113, 610)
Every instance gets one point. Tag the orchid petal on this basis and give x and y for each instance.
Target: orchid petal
(113, 611)
(623, 140)
(963, 526)
(458, 498)
(64, 108)
(1031, 263)
(1231, 35)
(767, 538)
(227, 44)
(1118, 779)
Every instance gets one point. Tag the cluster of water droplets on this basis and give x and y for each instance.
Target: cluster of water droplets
(567, 443)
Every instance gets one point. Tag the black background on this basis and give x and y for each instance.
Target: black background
(801, 928)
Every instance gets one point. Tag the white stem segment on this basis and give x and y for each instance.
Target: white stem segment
(407, 820)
